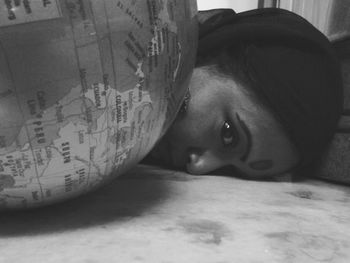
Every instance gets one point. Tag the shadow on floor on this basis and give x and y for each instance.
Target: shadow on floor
(121, 200)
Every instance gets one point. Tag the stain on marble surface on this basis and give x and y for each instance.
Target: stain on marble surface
(206, 231)
(300, 247)
(258, 216)
(305, 194)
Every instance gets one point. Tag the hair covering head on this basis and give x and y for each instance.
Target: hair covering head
(292, 65)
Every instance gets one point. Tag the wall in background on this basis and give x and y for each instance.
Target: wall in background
(237, 5)
(332, 17)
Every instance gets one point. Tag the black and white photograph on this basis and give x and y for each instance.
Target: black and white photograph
(174, 131)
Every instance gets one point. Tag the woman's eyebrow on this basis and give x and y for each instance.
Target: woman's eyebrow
(249, 138)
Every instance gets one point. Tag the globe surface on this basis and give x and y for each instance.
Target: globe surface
(86, 89)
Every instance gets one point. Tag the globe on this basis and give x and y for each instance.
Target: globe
(87, 87)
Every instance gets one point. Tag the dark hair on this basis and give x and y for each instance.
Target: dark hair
(231, 62)
(228, 61)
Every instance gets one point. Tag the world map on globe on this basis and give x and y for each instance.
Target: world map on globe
(87, 87)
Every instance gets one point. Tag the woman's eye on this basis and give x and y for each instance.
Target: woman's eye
(229, 134)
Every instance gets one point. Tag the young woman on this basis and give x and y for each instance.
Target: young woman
(265, 96)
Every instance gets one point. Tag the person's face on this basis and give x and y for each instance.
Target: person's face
(221, 127)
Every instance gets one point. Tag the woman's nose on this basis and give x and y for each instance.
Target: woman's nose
(202, 162)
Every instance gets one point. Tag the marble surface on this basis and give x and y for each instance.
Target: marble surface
(154, 215)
